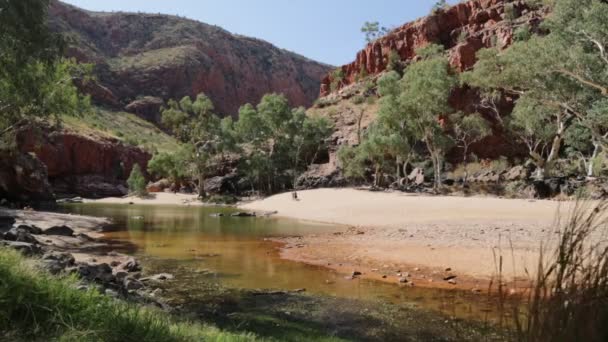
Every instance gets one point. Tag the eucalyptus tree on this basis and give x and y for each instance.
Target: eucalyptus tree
(35, 81)
(279, 141)
(200, 130)
(416, 105)
(467, 130)
(560, 79)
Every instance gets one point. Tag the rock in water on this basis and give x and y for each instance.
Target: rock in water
(56, 262)
(20, 235)
(30, 229)
(131, 265)
(27, 249)
(59, 230)
(242, 214)
(101, 272)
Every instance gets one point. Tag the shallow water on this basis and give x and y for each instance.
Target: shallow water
(234, 252)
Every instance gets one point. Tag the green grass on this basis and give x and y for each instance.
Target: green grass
(37, 306)
(123, 126)
(152, 59)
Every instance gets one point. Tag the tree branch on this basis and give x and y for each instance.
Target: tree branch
(584, 81)
(599, 46)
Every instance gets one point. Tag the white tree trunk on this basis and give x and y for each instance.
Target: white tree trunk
(590, 166)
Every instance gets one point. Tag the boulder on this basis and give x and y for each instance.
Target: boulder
(20, 235)
(23, 177)
(6, 222)
(30, 229)
(222, 184)
(158, 186)
(147, 108)
(28, 249)
(59, 230)
(131, 265)
(517, 173)
(159, 277)
(242, 214)
(96, 272)
(55, 262)
(73, 200)
(417, 176)
(132, 284)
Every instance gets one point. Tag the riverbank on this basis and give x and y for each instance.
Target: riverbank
(434, 241)
(158, 198)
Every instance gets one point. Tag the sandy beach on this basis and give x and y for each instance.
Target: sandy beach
(385, 235)
(388, 234)
(159, 198)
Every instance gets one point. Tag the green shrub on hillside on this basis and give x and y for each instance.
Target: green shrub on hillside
(137, 181)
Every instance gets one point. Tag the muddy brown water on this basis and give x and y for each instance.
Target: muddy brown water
(234, 252)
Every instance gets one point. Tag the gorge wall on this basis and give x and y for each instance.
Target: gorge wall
(152, 56)
(462, 29)
(82, 165)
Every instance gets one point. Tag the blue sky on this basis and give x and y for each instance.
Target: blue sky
(324, 30)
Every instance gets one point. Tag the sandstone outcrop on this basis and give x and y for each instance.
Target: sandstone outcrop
(463, 29)
(23, 178)
(82, 165)
(138, 55)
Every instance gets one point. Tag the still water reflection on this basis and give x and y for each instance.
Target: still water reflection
(197, 247)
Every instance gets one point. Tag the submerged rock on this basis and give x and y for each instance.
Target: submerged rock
(159, 277)
(242, 214)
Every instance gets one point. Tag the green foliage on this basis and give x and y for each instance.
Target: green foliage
(373, 31)
(205, 136)
(559, 78)
(37, 306)
(469, 129)
(411, 106)
(124, 126)
(522, 33)
(362, 74)
(352, 162)
(440, 5)
(511, 12)
(171, 165)
(337, 76)
(358, 99)
(34, 80)
(283, 141)
(137, 181)
(394, 62)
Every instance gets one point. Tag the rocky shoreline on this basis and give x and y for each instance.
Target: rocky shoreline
(72, 244)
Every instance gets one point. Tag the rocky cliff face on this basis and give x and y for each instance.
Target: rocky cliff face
(80, 165)
(139, 55)
(463, 29)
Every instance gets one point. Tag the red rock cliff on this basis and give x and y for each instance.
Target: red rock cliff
(86, 166)
(138, 55)
(463, 29)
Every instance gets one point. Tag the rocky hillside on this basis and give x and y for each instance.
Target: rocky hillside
(463, 29)
(144, 58)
